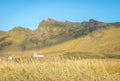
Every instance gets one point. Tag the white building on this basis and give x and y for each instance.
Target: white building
(38, 55)
(9, 58)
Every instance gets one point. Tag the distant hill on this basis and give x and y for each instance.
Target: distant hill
(1, 32)
(99, 42)
(51, 33)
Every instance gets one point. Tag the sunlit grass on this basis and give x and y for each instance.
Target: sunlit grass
(60, 69)
(72, 63)
(109, 42)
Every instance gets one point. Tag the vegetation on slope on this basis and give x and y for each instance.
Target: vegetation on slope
(100, 43)
(82, 37)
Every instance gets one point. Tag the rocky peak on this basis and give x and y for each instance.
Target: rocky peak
(45, 23)
(92, 21)
(50, 19)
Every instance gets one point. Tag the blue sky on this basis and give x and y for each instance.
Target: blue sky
(29, 13)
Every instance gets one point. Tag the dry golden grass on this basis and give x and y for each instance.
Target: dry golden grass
(59, 69)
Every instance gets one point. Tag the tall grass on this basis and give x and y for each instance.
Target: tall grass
(60, 69)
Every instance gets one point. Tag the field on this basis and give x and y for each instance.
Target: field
(60, 69)
(93, 57)
(60, 40)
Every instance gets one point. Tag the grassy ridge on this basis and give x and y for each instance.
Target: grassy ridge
(103, 42)
(49, 32)
(60, 70)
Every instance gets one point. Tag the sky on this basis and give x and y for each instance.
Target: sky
(29, 13)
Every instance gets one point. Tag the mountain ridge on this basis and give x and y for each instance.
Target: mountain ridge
(53, 20)
(49, 33)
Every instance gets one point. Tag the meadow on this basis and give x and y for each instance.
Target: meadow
(60, 69)
(92, 57)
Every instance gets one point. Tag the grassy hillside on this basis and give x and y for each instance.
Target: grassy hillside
(68, 52)
(98, 42)
(56, 38)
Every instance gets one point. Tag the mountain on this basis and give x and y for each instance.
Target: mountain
(117, 24)
(100, 43)
(1, 32)
(51, 33)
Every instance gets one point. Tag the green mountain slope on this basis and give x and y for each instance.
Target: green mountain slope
(98, 42)
(53, 37)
